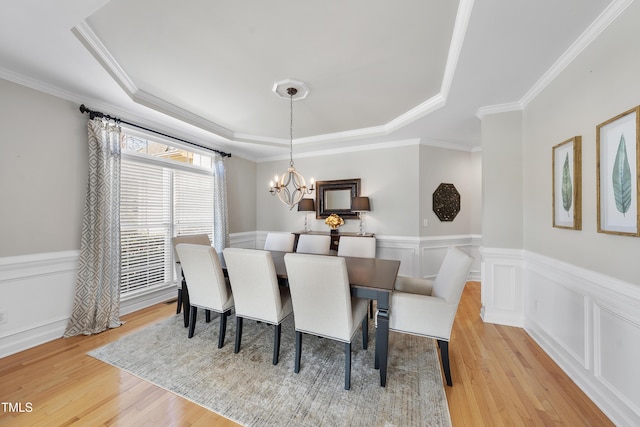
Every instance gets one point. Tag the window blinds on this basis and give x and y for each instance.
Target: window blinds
(158, 202)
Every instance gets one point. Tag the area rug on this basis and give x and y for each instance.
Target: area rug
(246, 387)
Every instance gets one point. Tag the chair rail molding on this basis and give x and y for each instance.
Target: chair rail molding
(33, 321)
(589, 324)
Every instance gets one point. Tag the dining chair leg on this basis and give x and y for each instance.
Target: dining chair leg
(179, 307)
(207, 316)
(238, 333)
(444, 355)
(186, 304)
(276, 343)
(365, 333)
(370, 309)
(347, 366)
(192, 320)
(296, 369)
(223, 329)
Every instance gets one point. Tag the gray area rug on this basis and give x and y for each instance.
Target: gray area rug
(248, 389)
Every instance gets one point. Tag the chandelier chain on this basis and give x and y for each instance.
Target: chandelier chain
(291, 93)
(290, 196)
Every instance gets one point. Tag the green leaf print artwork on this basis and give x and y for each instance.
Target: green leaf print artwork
(567, 186)
(621, 178)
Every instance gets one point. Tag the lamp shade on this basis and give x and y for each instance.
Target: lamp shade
(360, 204)
(306, 205)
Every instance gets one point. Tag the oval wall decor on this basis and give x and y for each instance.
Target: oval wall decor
(446, 202)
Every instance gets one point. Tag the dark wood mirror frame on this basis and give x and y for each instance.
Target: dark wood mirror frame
(322, 187)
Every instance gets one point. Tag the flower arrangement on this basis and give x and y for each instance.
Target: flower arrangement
(334, 221)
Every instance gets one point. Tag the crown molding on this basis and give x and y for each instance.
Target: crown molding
(446, 145)
(39, 86)
(91, 41)
(499, 108)
(463, 17)
(606, 18)
(342, 150)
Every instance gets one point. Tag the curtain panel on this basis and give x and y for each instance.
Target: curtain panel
(220, 211)
(96, 305)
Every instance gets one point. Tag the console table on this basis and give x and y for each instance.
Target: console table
(335, 237)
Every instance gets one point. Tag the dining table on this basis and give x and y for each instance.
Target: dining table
(369, 278)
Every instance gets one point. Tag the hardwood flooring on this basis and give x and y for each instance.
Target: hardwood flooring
(500, 378)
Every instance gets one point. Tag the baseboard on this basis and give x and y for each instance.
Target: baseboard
(588, 323)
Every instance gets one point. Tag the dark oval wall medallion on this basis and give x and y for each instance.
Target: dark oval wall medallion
(446, 202)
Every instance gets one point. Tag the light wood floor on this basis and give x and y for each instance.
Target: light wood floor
(500, 378)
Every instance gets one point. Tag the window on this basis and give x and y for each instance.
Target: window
(164, 191)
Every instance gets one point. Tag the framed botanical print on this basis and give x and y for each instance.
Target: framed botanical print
(618, 155)
(567, 184)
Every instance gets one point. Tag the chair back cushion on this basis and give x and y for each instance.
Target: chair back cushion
(452, 275)
(205, 280)
(321, 295)
(282, 242)
(194, 239)
(314, 244)
(254, 284)
(363, 247)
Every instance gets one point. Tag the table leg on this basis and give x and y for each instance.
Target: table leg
(382, 336)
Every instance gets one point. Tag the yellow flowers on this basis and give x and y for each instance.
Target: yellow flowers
(334, 221)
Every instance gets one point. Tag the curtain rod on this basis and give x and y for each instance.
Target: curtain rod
(94, 114)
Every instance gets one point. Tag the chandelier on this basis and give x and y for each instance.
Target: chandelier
(290, 186)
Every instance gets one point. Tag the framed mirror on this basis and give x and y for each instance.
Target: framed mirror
(334, 197)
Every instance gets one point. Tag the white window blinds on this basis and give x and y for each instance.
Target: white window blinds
(193, 203)
(159, 201)
(145, 225)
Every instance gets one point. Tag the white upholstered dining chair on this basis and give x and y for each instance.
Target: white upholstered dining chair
(314, 244)
(428, 307)
(208, 288)
(256, 292)
(323, 305)
(363, 247)
(194, 239)
(282, 242)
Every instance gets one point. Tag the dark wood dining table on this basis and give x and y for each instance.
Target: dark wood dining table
(370, 278)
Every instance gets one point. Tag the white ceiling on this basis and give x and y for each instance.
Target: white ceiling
(376, 71)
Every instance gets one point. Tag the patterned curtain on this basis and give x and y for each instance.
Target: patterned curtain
(96, 305)
(220, 213)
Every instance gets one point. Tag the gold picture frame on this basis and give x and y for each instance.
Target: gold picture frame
(567, 184)
(618, 156)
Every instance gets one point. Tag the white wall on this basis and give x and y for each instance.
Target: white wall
(43, 171)
(502, 210)
(399, 181)
(576, 292)
(600, 84)
(241, 194)
(389, 177)
(460, 168)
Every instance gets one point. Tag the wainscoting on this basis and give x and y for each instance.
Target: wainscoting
(37, 290)
(37, 296)
(418, 256)
(588, 323)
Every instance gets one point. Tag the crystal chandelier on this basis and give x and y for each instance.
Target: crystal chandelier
(290, 186)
